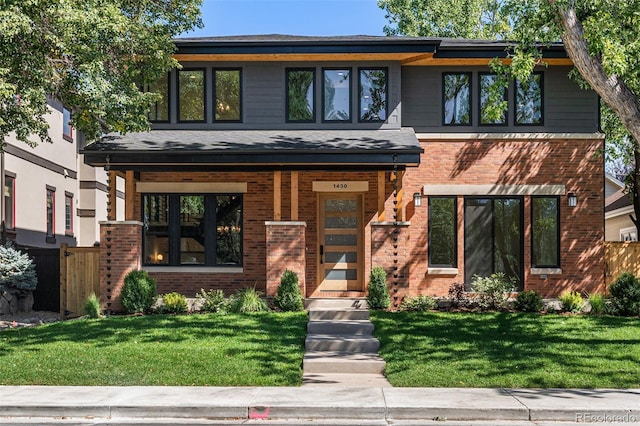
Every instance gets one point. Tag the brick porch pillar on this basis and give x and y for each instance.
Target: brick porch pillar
(286, 249)
(120, 252)
(390, 249)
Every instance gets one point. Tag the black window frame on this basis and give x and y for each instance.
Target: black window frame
(558, 240)
(68, 197)
(350, 69)
(505, 114)
(515, 100)
(455, 233)
(10, 176)
(204, 94)
(214, 93)
(313, 101)
(444, 101)
(386, 93)
(168, 98)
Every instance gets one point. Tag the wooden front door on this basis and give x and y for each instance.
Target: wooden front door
(340, 242)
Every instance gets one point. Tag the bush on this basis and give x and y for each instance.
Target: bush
(138, 293)
(572, 301)
(625, 295)
(458, 295)
(491, 290)
(174, 303)
(92, 306)
(422, 303)
(528, 301)
(598, 304)
(17, 270)
(289, 297)
(247, 300)
(212, 301)
(377, 291)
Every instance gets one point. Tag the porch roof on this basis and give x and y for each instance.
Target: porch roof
(189, 149)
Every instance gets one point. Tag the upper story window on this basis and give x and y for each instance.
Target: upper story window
(51, 214)
(67, 130)
(456, 99)
(191, 95)
(493, 100)
(68, 213)
(301, 95)
(372, 87)
(228, 94)
(160, 109)
(336, 95)
(529, 100)
(9, 201)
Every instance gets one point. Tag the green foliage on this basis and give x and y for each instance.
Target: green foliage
(17, 270)
(247, 300)
(572, 301)
(138, 292)
(422, 303)
(625, 295)
(289, 297)
(212, 301)
(492, 290)
(528, 301)
(174, 303)
(377, 291)
(92, 306)
(598, 304)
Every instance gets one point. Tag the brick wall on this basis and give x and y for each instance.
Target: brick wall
(285, 250)
(390, 250)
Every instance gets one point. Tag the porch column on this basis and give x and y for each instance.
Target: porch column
(129, 195)
(286, 249)
(294, 195)
(277, 195)
(390, 249)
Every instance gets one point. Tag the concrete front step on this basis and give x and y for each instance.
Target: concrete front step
(342, 363)
(336, 303)
(339, 314)
(368, 381)
(341, 343)
(340, 327)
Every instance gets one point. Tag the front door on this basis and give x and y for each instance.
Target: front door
(340, 242)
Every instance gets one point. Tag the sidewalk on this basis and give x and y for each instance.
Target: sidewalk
(314, 405)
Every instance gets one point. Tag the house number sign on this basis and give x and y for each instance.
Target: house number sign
(341, 186)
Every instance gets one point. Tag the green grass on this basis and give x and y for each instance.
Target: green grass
(263, 349)
(509, 350)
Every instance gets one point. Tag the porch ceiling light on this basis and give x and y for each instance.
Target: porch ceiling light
(572, 199)
(417, 199)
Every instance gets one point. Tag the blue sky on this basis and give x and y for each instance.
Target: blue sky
(298, 17)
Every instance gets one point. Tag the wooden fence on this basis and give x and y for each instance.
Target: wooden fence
(621, 257)
(79, 277)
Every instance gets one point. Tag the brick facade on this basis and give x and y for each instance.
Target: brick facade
(286, 247)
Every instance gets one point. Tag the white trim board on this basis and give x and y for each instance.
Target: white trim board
(493, 189)
(192, 187)
(507, 136)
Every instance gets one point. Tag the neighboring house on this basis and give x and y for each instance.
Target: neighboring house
(332, 155)
(50, 196)
(617, 208)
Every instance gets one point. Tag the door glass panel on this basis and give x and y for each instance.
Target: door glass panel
(341, 257)
(340, 205)
(341, 240)
(341, 274)
(341, 222)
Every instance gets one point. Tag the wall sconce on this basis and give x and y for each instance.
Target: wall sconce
(417, 199)
(572, 199)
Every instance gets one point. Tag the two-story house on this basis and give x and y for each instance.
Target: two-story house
(333, 155)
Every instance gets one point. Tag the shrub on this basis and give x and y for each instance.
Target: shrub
(212, 301)
(420, 303)
(174, 303)
(528, 301)
(17, 270)
(139, 292)
(572, 301)
(491, 290)
(625, 295)
(289, 297)
(598, 304)
(92, 306)
(377, 291)
(247, 300)
(458, 295)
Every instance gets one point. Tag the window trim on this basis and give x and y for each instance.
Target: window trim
(313, 101)
(168, 97)
(322, 107)
(386, 93)
(68, 231)
(204, 95)
(506, 98)
(455, 234)
(213, 93)
(515, 101)
(558, 234)
(50, 237)
(444, 107)
(12, 176)
(67, 136)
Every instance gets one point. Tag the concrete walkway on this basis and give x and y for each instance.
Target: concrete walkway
(313, 405)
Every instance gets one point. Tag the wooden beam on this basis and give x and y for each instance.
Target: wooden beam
(294, 195)
(381, 194)
(277, 195)
(129, 195)
(112, 196)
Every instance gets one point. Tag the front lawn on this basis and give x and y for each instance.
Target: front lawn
(509, 350)
(210, 350)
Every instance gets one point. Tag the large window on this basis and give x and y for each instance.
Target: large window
(160, 109)
(372, 89)
(192, 229)
(529, 100)
(493, 100)
(336, 95)
(228, 94)
(545, 221)
(9, 202)
(68, 213)
(51, 213)
(442, 232)
(191, 90)
(456, 98)
(301, 95)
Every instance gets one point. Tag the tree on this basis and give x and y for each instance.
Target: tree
(602, 38)
(94, 56)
